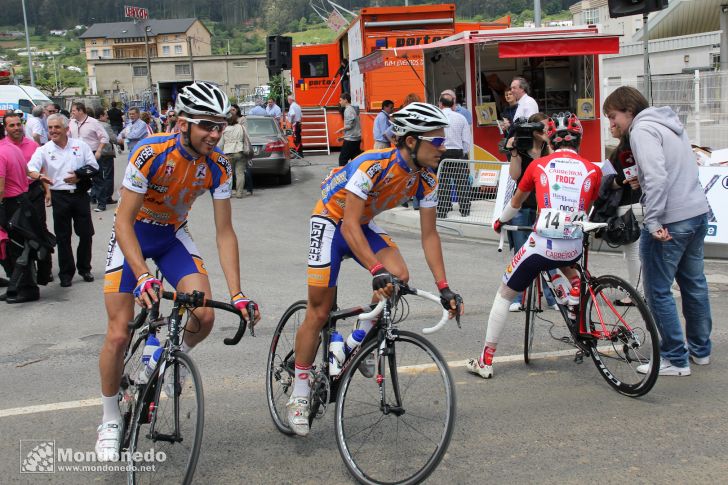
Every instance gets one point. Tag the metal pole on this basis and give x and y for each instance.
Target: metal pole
(27, 44)
(537, 13)
(189, 52)
(696, 84)
(149, 61)
(55, 73)
(645, 43)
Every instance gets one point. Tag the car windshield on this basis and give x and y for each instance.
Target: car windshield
(261, 126)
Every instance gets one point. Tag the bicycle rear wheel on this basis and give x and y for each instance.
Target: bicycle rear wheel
(280, 368)
(530, 321)
(627, 340)
(402, 439)
(169, 421)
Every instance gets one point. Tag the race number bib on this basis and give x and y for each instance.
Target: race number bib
(557, 224)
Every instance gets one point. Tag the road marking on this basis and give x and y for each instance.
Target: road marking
(83, 403)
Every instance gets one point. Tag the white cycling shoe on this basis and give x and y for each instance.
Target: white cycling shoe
(298, 412)
(474, 367)
(108, 441)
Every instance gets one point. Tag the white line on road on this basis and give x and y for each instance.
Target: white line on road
(83, 403)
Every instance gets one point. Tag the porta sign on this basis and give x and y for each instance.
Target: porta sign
(136, 12)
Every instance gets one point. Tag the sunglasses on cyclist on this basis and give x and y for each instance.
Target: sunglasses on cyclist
(436, 141)
(206, 125)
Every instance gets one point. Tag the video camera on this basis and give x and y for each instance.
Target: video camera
(523, 133)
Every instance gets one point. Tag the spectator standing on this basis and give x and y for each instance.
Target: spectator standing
(675, 225)
(411, 98)
(13, 184)
(104, 180)
(273, 110)
(116, 118)
(235, 144)
(38, 192)
(257, 110)
(527, 106)
(134, 131)
(85, 127)
(34, 127)
(295, 118)
(50, 108)
(383, 136)
(171, 122)
(149, 121)
(510, 110)
(70, 164)
(458, 140)
(351, 148)
(457, 107)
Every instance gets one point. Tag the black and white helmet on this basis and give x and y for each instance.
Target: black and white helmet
(418, 118)
(202, 98)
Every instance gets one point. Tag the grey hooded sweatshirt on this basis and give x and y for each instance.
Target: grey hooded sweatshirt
(667, 170)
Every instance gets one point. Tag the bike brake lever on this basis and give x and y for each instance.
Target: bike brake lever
(251, 317)
(458, 305)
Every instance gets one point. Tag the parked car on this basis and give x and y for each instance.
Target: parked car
(270, 148)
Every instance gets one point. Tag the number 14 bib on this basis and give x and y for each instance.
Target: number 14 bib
(556, 224)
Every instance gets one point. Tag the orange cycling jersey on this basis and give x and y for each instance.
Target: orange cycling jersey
(380, 177)
(171, 178)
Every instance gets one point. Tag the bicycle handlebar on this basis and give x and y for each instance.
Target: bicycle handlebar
(408, 290)
(505, 228)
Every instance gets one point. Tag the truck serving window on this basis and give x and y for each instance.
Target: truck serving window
(314, 66)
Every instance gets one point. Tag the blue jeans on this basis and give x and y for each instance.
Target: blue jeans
(679, 259)
(516, 239)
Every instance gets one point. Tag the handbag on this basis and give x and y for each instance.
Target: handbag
(622, 229)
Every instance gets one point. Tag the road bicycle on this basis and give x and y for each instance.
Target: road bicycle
(163, 413)
(391, 428)
(618, 338)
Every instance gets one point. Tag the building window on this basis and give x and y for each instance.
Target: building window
(107, 52)
(94, 53)
(181, 69)
(93, 41)
(314, 66)
(240, 64)
(178, 50)
(715, 61)
(140, 70)
(165, 50)
(591, 16)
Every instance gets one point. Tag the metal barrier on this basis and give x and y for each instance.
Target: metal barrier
(467, 190)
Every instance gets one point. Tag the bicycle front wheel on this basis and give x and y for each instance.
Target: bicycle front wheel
(530, 321)
(626, 349)
(281, 366)
(167, 427)
(399, 436)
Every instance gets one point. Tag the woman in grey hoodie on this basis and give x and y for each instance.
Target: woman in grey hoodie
(675, 225)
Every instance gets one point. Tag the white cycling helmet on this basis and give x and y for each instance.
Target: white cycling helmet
(202, 98)
(418, 118)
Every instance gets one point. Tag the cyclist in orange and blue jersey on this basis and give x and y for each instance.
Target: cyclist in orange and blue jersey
(341, 225)
(165, 174)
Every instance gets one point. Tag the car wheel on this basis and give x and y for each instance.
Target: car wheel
(285, 179)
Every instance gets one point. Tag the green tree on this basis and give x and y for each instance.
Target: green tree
(277, 85)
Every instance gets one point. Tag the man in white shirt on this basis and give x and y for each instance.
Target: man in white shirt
(458, 140)
(34, 128)
(458, 108)
(69, 164)
(295, 117)
(527, 106)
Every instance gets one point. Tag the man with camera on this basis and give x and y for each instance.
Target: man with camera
(529, 142)
(458, 140)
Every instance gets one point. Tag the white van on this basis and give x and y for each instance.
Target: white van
(21, 97)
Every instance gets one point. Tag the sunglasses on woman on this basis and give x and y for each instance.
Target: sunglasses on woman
(206, 125)
(436, 141)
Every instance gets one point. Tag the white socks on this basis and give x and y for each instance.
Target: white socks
(497, 319)
(301, 385)
(111, 408)
(185, 348)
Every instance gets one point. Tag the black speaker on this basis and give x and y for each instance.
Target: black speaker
(623, 8)
(278, 53)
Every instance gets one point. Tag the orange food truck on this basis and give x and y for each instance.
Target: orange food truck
(317, 69)
(561, 64)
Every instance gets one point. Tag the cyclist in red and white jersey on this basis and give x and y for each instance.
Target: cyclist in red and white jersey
(566, 185)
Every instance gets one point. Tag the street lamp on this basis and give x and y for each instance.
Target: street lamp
(27, 43)
(148, 29)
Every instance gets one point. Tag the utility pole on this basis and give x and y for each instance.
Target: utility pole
(646, 49)
(537, 13)
(147, 30)
(189, 52)
(27, 44)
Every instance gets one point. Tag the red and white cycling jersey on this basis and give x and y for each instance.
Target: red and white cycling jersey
(566, 185)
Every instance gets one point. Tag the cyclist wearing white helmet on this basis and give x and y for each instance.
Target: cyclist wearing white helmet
(341, 225)
(165, 174)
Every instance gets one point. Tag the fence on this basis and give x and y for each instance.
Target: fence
(467, 190)
(700, 101)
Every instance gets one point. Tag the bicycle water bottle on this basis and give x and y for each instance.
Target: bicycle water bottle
(354, 340)
(152, 364)
(336, 354)
(561, 287)
(150, 346)
(573, 302)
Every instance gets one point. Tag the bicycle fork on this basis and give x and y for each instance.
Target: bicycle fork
(387, 356)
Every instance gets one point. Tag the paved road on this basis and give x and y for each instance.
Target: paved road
(552, 422)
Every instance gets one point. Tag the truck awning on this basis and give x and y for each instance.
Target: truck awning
(578, 46)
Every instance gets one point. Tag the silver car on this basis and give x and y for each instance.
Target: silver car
(271, 155)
